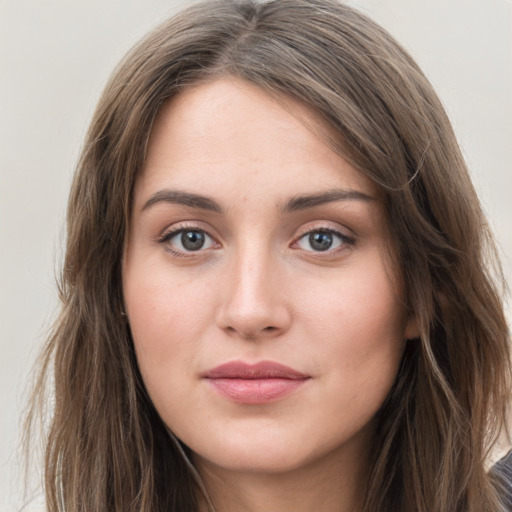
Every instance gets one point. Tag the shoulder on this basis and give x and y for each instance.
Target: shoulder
(502, 471)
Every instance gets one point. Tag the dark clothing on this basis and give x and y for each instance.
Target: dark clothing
(503, 472)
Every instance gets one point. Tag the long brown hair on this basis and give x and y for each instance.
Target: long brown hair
(107, 449)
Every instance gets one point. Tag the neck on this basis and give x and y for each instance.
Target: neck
(334, 484)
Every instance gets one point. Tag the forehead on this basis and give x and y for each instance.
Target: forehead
(227, 134)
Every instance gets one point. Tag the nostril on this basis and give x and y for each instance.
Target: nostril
(250, 333)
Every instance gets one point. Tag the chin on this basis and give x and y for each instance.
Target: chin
(276, 454)
(255, 460)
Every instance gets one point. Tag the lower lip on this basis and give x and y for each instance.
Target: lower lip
(256, 391)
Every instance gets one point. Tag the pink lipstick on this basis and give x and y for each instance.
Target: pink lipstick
(258, 383)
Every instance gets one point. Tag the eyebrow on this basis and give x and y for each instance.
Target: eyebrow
(183, 198)
(301, 202)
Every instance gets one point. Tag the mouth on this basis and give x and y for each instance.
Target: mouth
(254, 384)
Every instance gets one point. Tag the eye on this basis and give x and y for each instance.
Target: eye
(323, 240)
(187, 240)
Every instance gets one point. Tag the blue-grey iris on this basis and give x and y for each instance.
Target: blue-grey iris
(192, 240)
(320, 240)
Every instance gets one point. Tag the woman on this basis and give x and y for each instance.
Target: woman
(276, 293)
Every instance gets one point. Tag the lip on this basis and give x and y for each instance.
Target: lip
(259, 383)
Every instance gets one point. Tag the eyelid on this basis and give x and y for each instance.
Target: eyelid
(329, 226)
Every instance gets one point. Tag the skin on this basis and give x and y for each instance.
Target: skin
(259, 290)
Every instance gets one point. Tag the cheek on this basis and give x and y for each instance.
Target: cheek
(357, 323)
(361, 302)
(165, 314)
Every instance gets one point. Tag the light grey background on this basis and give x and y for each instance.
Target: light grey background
(55, 57)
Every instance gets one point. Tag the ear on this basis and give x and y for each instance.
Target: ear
(411, 330)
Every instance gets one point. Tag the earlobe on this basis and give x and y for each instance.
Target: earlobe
(411, 330)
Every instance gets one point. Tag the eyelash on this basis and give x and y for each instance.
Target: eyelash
(344, 240)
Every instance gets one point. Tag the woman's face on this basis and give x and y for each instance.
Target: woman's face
(266, 314)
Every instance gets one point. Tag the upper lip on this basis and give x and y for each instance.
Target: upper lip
(260, 370)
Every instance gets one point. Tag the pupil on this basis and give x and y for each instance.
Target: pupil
(320, 241)
(192, 240)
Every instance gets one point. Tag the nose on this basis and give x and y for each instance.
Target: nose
(255, 304)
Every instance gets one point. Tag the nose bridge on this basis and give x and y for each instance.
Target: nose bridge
(253, 278)
(254, 303)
